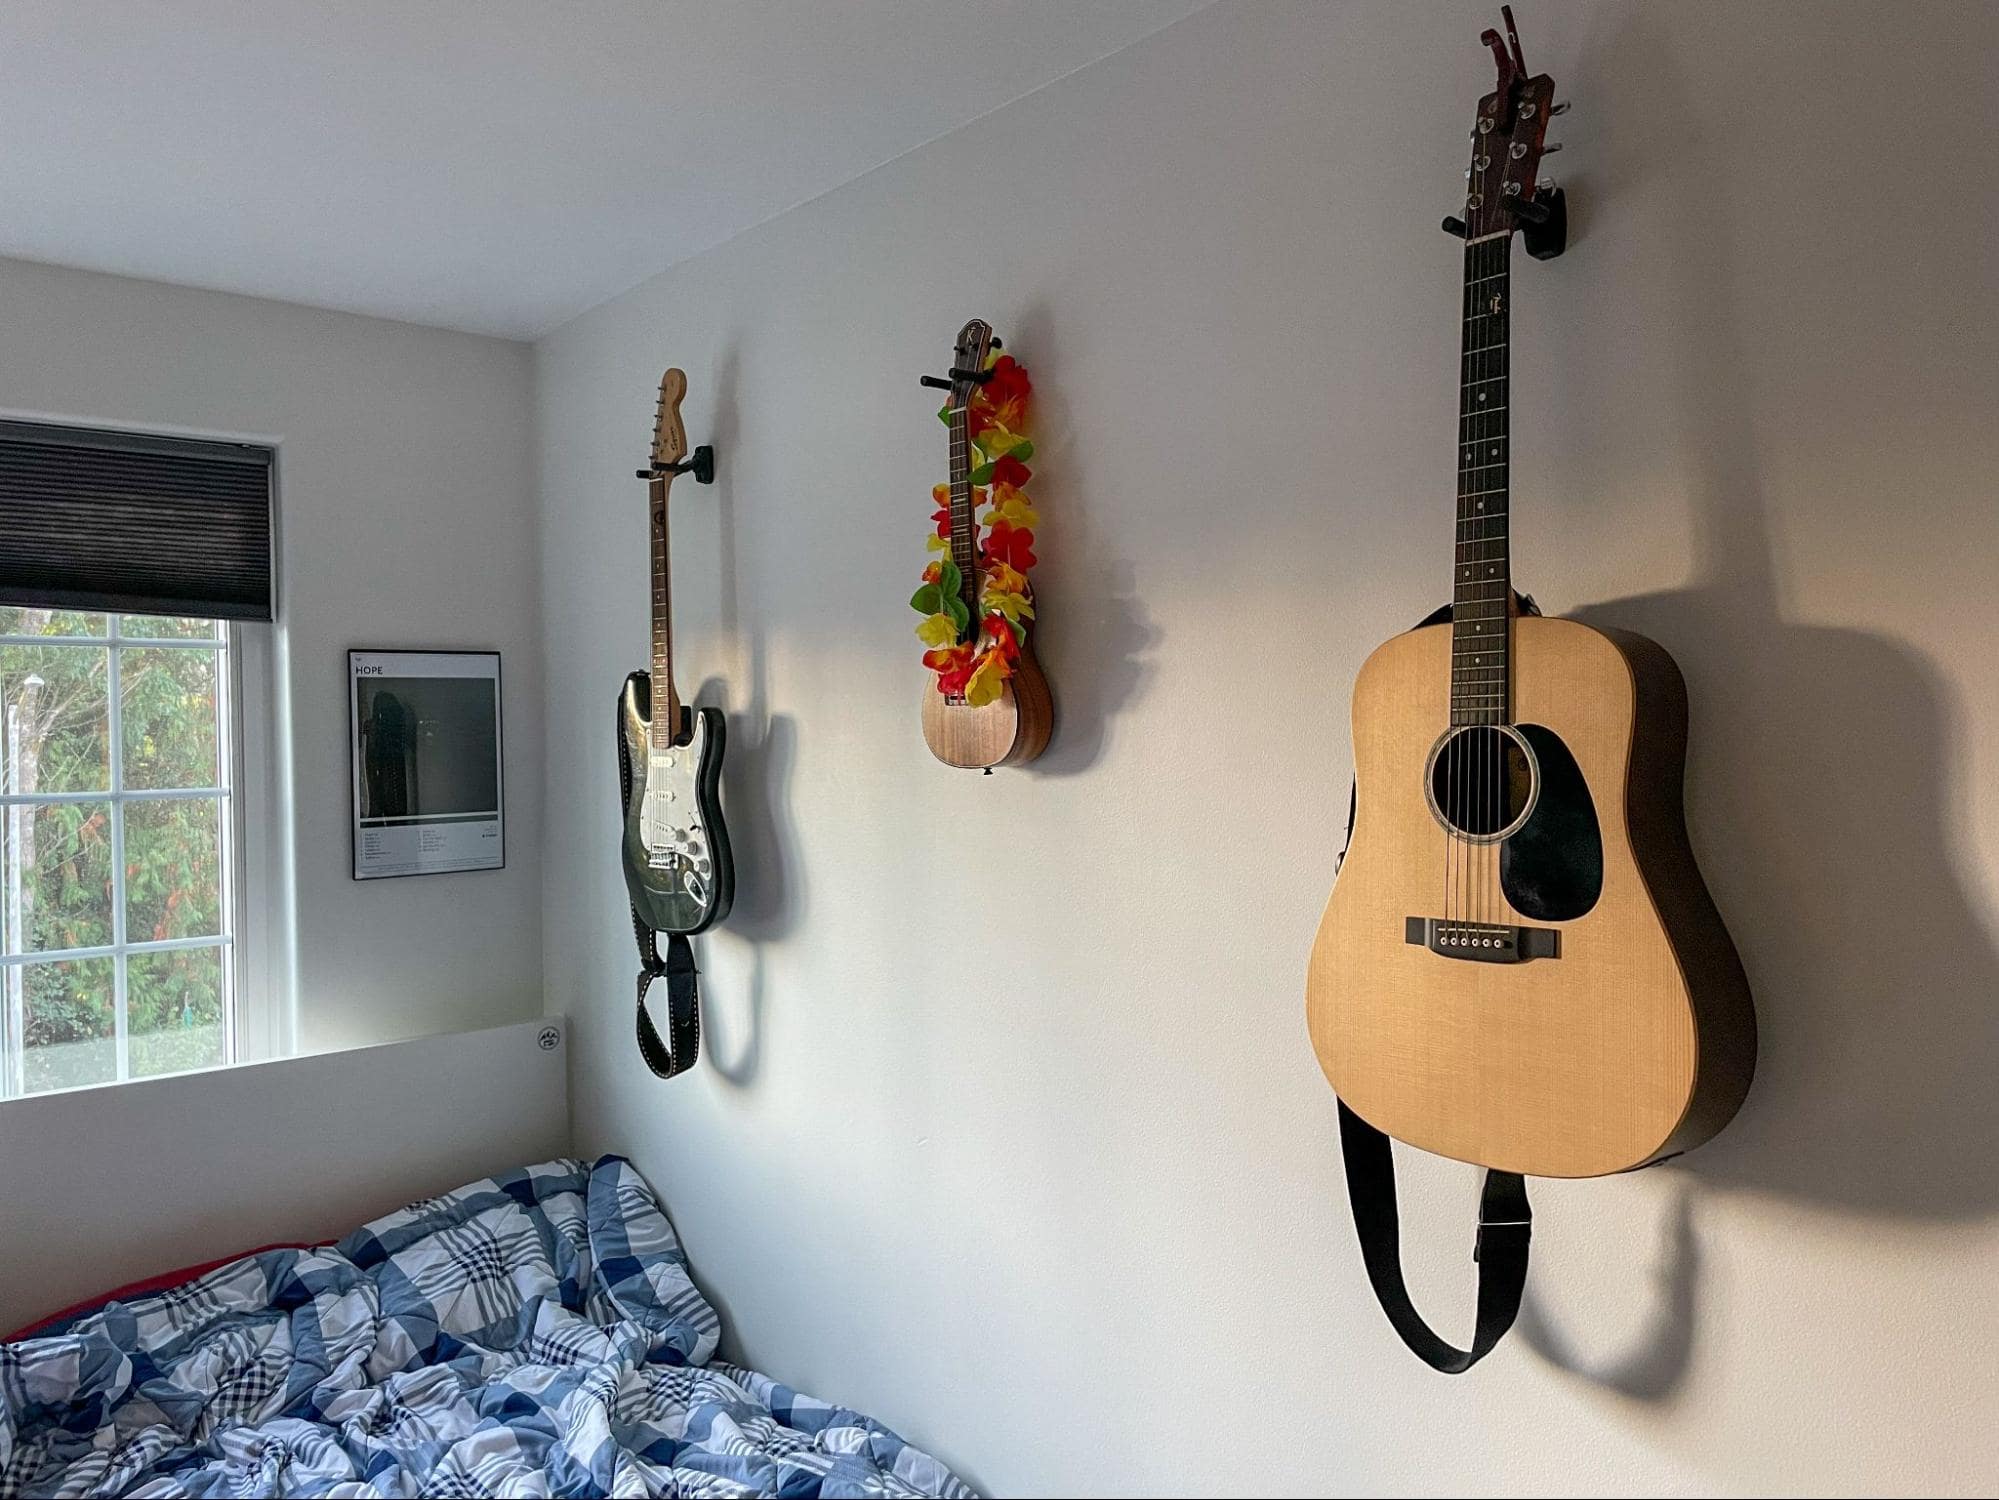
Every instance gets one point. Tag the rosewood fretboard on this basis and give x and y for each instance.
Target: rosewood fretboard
(1481, 596)
(964, 549)
(665, 700)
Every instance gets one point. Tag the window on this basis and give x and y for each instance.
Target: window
(136, 588)
(120, 847)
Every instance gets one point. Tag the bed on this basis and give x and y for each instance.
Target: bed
(535, 1333)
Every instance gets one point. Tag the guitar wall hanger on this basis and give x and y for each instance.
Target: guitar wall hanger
(700, 463)
(958, 377)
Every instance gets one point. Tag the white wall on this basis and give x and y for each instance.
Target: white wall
(1013, 1135)
(104, 1187)
(406, 517)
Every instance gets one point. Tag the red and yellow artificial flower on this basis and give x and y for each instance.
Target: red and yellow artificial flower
(972, 657)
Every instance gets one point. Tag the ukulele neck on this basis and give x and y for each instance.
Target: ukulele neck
(665, 700)
(1482, 578)
(964, 547)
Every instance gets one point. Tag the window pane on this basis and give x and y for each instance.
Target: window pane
(168, 707)
(173, 627)
(55, 877)
(173, 868)
(174, 1010)
(69, 1010)
(55, 720)
(22, 620)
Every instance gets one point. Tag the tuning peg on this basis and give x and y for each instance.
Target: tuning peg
(1551, 148)
(1456, 226)
(1559, 107)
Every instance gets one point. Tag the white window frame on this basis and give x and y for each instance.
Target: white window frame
(256, 1013)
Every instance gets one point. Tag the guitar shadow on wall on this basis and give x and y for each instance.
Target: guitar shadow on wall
(1821, 765)
(756, 778)
(1091, 631)
(1652, 1368)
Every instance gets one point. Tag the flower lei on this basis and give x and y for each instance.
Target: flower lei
(968, 662)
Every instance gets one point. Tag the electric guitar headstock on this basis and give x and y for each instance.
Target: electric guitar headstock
(1509, 140)
(669, 437)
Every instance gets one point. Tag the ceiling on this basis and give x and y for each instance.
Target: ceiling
(490, 165)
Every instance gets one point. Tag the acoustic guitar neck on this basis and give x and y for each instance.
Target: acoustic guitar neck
(1482, 572)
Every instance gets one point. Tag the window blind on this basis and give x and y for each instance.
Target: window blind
(138, 524)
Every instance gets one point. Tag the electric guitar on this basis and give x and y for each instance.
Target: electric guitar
(1014, 728)
(1520, 965)
(676, 847)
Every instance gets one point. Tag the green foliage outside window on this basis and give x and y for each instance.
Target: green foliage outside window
(56, 878)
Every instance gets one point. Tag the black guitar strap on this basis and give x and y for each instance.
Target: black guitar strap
(1505, 1224)
(1505, 1221)
(683, 980)
(683, 1001)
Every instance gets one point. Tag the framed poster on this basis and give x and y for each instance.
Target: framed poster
(424, 738)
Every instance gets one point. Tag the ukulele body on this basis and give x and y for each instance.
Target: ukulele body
(677, 862)
(1009, 731)
(1559, 1001)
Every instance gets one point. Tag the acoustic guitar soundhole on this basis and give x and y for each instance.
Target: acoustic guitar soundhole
(1482, 781)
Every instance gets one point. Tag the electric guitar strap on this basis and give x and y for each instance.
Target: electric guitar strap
(683, 980)
(1505, 1221)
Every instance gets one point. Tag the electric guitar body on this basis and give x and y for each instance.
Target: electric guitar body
(676, 846)
(677, 862)
(1520, 965)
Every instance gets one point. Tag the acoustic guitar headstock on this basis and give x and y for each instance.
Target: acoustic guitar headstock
(1509, 139)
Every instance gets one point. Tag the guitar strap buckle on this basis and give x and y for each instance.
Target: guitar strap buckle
(1525, 1226)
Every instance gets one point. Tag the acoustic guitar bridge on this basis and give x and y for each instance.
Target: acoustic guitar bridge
(1482, 942)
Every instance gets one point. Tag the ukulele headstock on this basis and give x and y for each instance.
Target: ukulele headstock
(968, 365)
(968, 360)
(1509, 138)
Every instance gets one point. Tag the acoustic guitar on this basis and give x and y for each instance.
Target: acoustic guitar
(1013, 728)
(1520, 965)
(676, 847)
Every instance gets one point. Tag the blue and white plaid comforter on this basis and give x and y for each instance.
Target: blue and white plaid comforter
(531, 1334)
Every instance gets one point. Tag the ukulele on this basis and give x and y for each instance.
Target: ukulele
(676, 848)
(1013, 728)
(1520, 965)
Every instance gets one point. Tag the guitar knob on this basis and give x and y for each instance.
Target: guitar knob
(1559, 107)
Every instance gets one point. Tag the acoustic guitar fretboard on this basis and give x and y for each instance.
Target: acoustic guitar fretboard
(1482, 579)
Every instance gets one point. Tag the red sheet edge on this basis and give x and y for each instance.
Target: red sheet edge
(144, 1288)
